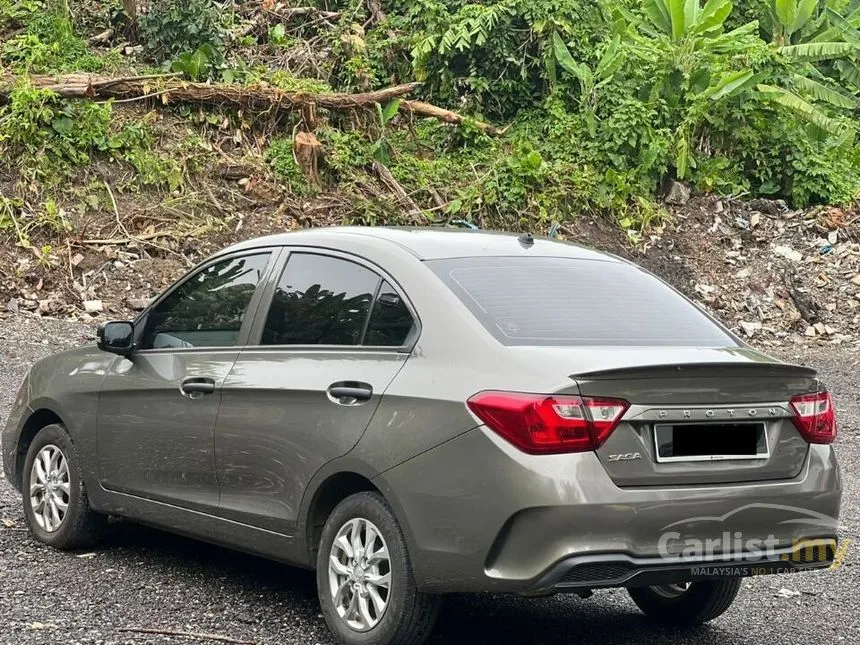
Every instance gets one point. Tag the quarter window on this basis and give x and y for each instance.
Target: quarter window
(390, 322)
(320, 300)
(208, 309)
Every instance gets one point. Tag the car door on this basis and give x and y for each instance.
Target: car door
(331, 337)
(157, 408)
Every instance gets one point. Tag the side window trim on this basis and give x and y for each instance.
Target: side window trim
(241, 340)
(256, 329)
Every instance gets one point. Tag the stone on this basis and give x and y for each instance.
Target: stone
(93, 306)
(678, 193)
(137, 304)
(750, 328)
(788, 253)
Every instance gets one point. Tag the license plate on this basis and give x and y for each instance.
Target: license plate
(710, 441)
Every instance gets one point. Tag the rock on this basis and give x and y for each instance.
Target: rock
(744, 273)
(755, 218)
(810, 331)
(750, 328)
(830, 330)
(678, 193)
(820, 328)
(856, 279)
(12, 305)
(787, 593)
(832, 237)
(93, 306)
(137, 304)
(77, 259)
(788, 253)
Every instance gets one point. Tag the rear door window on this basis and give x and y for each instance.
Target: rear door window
(568, 301)
(320, 300)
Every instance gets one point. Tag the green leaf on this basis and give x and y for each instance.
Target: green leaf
(713, 15)
(821, 92)
(682, 156)
(849, 71)
(611, 59)
(63, 125)
(277, 34)
(786, 14)
(732, 83)
(812, 114)
(678, 13)
(563, 57)
(390, 110)
(845, 28)
(817, 51)
(805, 9)
(195, 66)
(658, 12)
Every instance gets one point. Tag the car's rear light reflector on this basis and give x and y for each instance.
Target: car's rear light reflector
(548, 424)
(814, 417)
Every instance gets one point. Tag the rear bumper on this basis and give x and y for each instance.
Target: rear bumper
(481, 516)
(619, 570)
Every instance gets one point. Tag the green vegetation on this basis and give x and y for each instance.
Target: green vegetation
(603, 101)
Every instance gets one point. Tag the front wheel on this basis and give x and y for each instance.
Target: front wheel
(56, 506)
(364, 577)
(686, 604)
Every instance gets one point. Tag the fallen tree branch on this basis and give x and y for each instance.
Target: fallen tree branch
(413, 210)
(179, 632)
(420, 108)
(256, 98)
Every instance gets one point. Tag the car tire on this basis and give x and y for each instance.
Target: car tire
(407, 616)
(695, 604)
(78, 525)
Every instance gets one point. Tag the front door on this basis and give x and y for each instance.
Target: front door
(157, 408)
(333, 337)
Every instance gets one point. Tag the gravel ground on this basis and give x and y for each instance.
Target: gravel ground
(145, 578)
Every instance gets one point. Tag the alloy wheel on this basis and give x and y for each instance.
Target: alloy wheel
(50, 488)
(359, 573)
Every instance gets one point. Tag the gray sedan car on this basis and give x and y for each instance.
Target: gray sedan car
(417, 412)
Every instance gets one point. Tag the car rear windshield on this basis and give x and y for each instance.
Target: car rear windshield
(569, 301)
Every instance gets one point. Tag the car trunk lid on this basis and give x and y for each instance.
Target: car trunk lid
(723, 416)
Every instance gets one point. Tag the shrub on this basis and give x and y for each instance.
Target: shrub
(175, 27)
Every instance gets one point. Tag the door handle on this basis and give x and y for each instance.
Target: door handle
(196, 387)
(351, 394)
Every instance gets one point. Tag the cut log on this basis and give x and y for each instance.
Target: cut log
(168, 88)
(420, 108)
(256, 98)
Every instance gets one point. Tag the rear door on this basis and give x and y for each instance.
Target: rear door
(330, 337)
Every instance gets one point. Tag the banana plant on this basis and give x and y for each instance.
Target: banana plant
(682, 18)
(822, 45)
(589, 81)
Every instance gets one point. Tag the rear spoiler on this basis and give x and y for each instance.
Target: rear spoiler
(725, 369)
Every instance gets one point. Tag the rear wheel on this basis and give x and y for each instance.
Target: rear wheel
(56, 506)
(685, 603)
(364, 577)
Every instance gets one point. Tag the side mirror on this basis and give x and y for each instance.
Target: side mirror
(116, 336)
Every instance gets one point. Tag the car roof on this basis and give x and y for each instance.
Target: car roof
(430, 243)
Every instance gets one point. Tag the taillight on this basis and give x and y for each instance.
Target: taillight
(814, 417)
(549, 424)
